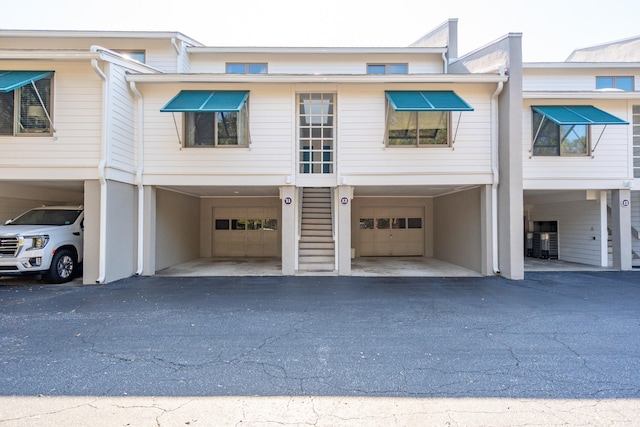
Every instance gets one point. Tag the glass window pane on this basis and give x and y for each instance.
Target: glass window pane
(604, 82)
(376, 69)
(200, 129)
(398, 223)
(636, 109)
(222, 224)
(235, 68)
(574, 139)
(270, 224)
(624, 83)
(433, 127)
(383, 223)
(6, 113)
(547, 140)
(402, 127)
(257, 68)
(366, 223)
(227, 128)
(414, 223)
(238, 224)
(397, 68)
(32, 117)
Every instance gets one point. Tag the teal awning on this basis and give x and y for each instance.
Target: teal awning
(207, 101)
(426, 100)
(578, 115)
(12, 80)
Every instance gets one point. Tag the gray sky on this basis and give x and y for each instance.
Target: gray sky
(551, 28)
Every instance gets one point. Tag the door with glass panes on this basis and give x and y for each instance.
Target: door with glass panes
(391, 231)
(316, 133)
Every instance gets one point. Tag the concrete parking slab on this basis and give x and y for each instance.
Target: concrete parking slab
(556, 348)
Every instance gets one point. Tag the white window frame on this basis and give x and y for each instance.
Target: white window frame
(243, 134)
(536, 133)
(40, 111)
(390, 111)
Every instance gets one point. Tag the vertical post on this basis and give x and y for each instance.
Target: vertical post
(344, 195)
(289, 198)
(621, 228)
(486, 230)
(149, 230)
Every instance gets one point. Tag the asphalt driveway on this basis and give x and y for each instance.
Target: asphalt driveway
(554, 335)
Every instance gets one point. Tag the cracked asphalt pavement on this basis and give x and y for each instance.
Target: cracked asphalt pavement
(551, 336)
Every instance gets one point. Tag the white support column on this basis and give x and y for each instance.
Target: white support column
(289, 228)
(343, 202)
(486, 230)
(149, 225)
(621, 228)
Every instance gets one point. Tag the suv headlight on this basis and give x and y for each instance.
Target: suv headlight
(37, 242)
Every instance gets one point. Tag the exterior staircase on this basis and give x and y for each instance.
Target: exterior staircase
(316, 248)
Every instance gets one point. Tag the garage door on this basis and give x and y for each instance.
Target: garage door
(245, 232)
(391, 231)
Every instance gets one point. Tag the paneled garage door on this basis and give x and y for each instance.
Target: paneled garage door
(391, 231)
(245, 232)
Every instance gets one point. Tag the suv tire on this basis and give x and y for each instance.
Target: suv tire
(63, 266)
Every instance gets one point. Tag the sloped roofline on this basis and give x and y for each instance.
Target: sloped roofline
(100, 34)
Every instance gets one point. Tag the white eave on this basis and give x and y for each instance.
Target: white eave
(167, 35)
(74, 55)
(319, 50)
(578, 65)
(316, 78)
(594, 94)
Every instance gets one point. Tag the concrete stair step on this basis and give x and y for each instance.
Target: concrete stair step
(316, 221)
(316, 215)
(317, 245)
(315, 205)
(329, 267)
(316, 239)
(304, 253)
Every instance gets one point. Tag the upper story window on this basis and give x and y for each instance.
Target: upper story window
(421, 118)
(246, 68)
(212, 118)
(25, 103)
(615, 82)
(564, 130)
(387, 68)
(552, 139)
(138, 55)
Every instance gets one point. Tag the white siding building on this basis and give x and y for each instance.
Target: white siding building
(311, 156)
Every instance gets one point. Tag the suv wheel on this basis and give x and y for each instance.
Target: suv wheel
(62, 267)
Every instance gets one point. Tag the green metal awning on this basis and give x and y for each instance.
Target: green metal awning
(578, 115)
(427, 100)
(12, 80)
(207, 101)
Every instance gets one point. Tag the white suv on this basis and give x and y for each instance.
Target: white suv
(46, 240)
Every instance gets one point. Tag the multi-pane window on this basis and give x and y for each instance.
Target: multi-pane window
(387, 68)
(138, 55)
(246, 68)
(615, 82)
(552, 139)
(316, 132)
(27, 109)
(217, 129)
(636, 141)
(246, 224)
(417, 128)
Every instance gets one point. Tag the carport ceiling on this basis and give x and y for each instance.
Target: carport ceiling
(361, 191)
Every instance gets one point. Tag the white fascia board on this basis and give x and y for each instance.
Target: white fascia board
(76, 55)
(578, 65)
(318, 50)
(316, 78)
(595, 94)
(167, 35)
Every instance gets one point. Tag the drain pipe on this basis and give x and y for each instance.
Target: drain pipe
(496, 172)
(139, 170)
(102, 166)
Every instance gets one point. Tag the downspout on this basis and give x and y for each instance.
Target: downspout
(178, 56)
(445, 63)
(496, 173)
(102, 168)
(139, 171)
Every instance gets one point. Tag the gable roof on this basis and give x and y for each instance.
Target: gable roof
(627, 50)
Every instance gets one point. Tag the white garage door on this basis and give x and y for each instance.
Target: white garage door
(391, 231)
(245, 232)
